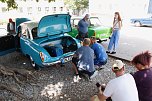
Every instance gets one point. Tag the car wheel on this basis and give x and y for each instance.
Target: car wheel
(137, 24)
(34, 64)
(99, 40)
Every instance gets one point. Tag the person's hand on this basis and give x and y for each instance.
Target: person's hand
(112, 29)
(99, 90)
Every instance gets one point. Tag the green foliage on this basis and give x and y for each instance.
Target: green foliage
(81, 4)
(48, 0)
(11, 4)
(77, 4)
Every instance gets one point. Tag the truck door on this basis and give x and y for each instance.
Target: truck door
(7, 44)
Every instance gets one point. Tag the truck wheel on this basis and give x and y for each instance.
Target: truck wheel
(137, 24)
(36, 67)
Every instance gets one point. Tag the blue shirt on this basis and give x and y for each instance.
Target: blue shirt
(86, 58)
(99, 52)
(83, 26)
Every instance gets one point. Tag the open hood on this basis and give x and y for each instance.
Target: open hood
(18, 21)
(54, 24)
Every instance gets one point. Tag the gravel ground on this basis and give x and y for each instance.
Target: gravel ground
(54, 83)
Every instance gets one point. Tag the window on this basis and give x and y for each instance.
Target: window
(39, 9)
(54, 9)
(34, 32)
(76, 21)
(95, 22)
(20, 9)
(29, 10)
(24, 32)
(4, 9)
(61, 9)
(46, 9)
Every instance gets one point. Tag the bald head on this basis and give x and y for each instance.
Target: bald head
(86, 17)
(86, 42)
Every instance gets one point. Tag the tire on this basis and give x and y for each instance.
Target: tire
(137, 24)
(34, 65)
(99, 41)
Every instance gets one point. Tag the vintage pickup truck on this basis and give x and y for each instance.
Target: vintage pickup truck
(45, 42)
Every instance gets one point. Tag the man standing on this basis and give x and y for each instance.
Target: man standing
(11, 26)
(122, 88)
(83, 60)
(100, 53)
(83, 25)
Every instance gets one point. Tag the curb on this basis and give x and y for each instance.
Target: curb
(120, 58)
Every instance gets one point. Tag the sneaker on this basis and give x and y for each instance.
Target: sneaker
(113, 52)
(76, 78)
(98, 67)
(107, 51)
(86, 76)
(94, 74)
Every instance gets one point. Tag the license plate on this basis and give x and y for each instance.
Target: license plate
(66, 59)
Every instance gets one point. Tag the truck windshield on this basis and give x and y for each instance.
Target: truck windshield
(95, 21)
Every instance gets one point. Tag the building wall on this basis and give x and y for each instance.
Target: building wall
(33, 9)
(127, 8)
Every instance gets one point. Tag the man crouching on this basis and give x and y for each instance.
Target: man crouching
(83, 60)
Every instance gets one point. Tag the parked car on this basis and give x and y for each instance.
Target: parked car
(96, 28)
(3, 31)
(142, 21)
(45, 42)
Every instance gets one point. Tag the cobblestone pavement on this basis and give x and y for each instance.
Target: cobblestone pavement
(52, 84)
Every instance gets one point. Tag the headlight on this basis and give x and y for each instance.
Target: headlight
(42, 56)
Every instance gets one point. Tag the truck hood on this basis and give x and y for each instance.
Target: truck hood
(54, 24)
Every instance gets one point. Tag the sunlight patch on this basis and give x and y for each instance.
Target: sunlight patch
(52, 91)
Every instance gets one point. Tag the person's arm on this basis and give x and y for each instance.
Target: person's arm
(113, 25)
(76, 54)
(120, 24)
(93, 48)
(100, 95)
(78, 25)
(8, 29)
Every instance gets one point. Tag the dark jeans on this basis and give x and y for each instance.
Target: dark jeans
(99, 63)
(75, 61)
(81, 36)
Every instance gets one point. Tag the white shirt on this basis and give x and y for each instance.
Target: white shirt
(116, 23)
(122, 88)
(11, 26)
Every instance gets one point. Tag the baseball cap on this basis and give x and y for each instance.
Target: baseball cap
(118, 65)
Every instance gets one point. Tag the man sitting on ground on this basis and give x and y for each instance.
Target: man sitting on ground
(122, 88)
(100, 53)
(83, 60)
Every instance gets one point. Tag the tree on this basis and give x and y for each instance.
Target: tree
(77, 4)
(11, 4)
(81, 4)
